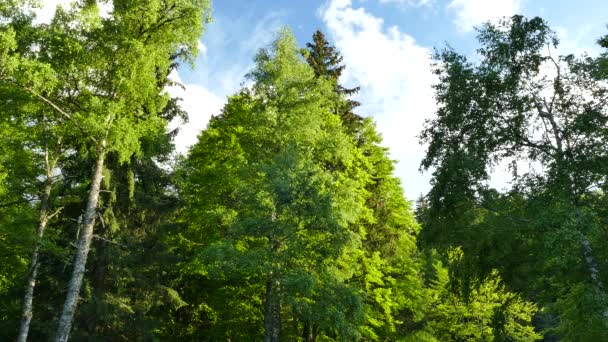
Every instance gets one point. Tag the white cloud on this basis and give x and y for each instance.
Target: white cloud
(395, 77)
(471, 13)
(202, 49)
(577, 41)
(200, 104)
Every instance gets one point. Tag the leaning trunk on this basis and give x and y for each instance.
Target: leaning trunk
(84, 244)
(26, 313)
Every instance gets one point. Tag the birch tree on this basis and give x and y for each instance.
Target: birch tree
(522, 104)
(102, 76)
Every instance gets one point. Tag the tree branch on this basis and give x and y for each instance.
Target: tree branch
(46, 100)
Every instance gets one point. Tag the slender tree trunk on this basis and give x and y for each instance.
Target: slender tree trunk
(591, 263)
(276, 318)
(28, 297)
(268, 308)
(26, 313)
(272, 313)
(309, 333)
(84, 244)
(592, 266)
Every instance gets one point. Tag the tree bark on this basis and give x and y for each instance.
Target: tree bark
(268, 321)
(84, 245)
(593, 269)
(591, 264)
(28, 297)
(309, 334)
(272, 313)
(276, 318)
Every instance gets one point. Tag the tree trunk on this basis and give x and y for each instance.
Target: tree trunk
(84, 244)
(593, 269)
(276, 318)
(309, 333)
(272, 313)
(28, 297)
(592, 266)
(268, 321)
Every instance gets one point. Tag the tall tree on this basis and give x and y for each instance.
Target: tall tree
(103, 78)
(522, 104)
(38, 138)
(278, 174)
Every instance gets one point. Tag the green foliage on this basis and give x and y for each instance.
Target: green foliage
(286, 214)
(326, 61)
(541, 235)
(98, 86)
(489, 312)
(276, 170)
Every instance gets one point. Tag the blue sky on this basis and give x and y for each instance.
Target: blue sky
(386, 46)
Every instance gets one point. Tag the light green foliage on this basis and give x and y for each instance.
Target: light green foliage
(389, 270)
(107, 75)
(276, 173)
(99, 84)
(490, 313)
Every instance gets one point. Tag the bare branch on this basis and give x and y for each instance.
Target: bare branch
(55, 213)
(109, 241)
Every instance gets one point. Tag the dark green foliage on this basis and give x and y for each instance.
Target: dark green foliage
(542, 235)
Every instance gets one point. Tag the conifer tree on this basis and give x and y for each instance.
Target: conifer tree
(326, 61)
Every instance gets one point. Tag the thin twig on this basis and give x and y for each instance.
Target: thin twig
(109, 241)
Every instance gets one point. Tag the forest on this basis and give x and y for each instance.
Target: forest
(285, 221)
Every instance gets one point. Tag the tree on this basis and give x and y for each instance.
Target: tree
(388, 268)
(325, 61)
(520, 104)
(489, 312)
(281, 189)
(101, 75)
(34, 133)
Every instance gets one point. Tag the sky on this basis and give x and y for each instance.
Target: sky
(386, 45)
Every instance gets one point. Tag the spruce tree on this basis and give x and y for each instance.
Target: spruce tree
(326, 61)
